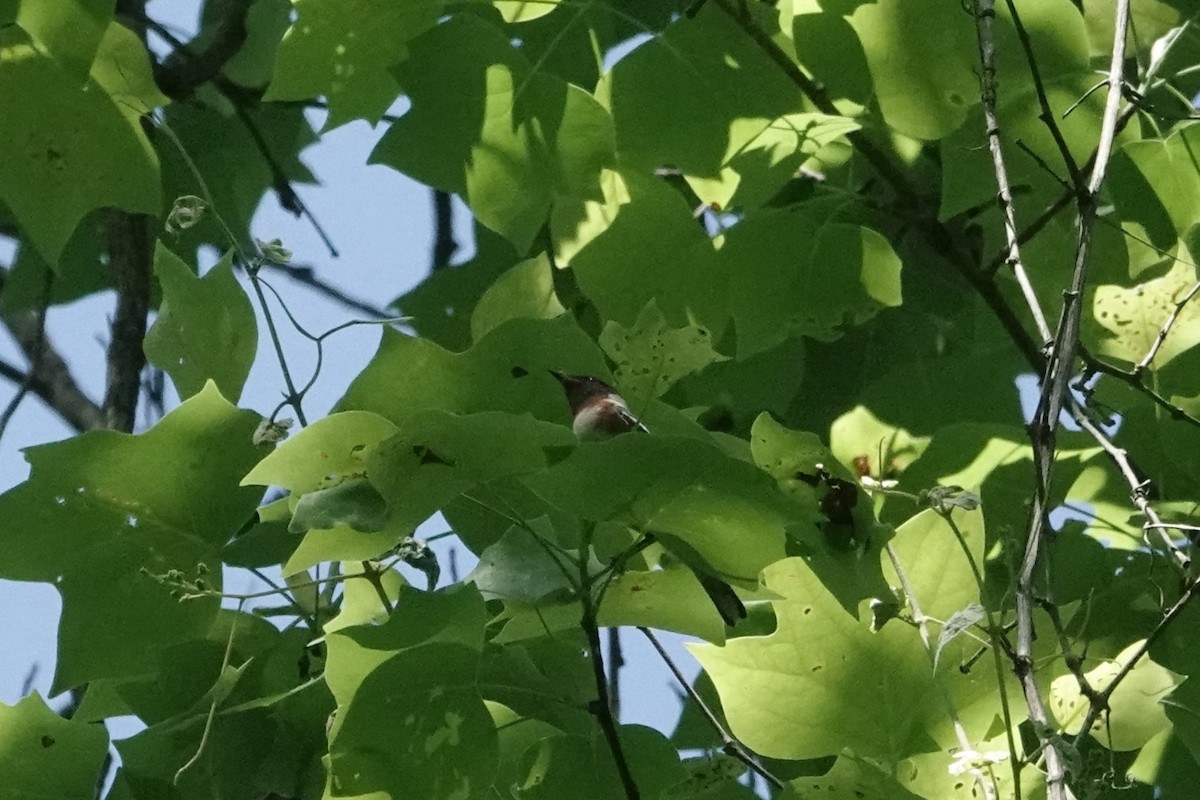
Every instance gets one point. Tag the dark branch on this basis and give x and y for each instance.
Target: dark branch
(186, 69)
(51, 380)
(444, 245)
(131, 259)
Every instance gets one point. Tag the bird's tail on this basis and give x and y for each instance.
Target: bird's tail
(727, 602)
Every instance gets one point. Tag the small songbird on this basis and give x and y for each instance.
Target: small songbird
(599, 413)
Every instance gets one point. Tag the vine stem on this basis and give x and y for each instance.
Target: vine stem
(212, 708)
(995, 635)
(960, 732)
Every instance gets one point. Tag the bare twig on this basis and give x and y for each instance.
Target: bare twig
(1138, 488)
(371, 573)
(1046, 115)
(187, 69)
(729, 744)
(1100, 704)
(616, 660)
(996, 636)
(307, 276)
(1043, 431)
(1139, 367)
(985, 13)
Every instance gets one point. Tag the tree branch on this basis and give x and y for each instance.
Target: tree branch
(49, 376)
(985, 14)
(1043, 431)
(444, 244)
(130, 255)
(186, 69)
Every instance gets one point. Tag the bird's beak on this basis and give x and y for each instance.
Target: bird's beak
(558, 376)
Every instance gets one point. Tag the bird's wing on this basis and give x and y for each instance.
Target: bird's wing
(627, 417)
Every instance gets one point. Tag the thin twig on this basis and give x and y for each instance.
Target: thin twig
(307, 276)
(212, 708)
(1043, 431)
(1139, 367)
(1138, 488)
(372, 575)
(1046, 115)
(131, 258)
(996, 636)
(985, 14)
(1100, 705)
(729, 744)
(616, 660)
(444, 244)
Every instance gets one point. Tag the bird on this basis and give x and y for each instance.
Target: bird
(599, 412)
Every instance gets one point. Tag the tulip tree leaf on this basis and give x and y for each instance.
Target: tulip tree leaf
(75, 145)
(652, 355)
(343, 51)
(44, 755)
(205, 327)
(120, 504)
(489, 127)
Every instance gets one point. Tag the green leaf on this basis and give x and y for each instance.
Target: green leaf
(437, 456)
(489, 127)
(1155, 184)
(70, 33)
(343, 51)
(76, 146)
(696, 96)
(653, 355)
(122, 68)
(850, 778)
(669, 599)
(925, 76)
(43, 755)
(582, 768)
(101, 507)
(801, 708)
(645, 245)
(1137, 709)
(205, 329)
(753, 175)
(227, 151)
(354, 503)
(410, 718)
(266, 23)
(789, 275)
(518, 568)
(1130, 319)
(722, 509)
(526, 290)
(506, 371)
